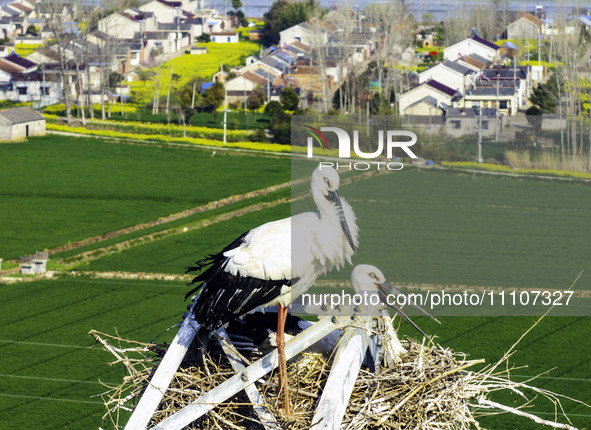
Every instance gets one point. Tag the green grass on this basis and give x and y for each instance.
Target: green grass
(173, 253)
(46, 352)
(418, 226)
(432, 227)
(59, 189)
(555, 343)
(178, 224)
(236, 120)
(52, 326)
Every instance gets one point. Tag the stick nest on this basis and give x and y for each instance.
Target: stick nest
(430, 389)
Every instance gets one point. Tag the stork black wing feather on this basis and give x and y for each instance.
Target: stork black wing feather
(225, 296)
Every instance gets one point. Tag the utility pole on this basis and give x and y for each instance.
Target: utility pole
(225, 113)
(479, 158)
(193, 96)
(225, 105)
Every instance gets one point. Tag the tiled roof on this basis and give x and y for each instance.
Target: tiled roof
(479, 58)
(469, 112)
(34, 77)
(9, 67)
(19, 61)
(254, 78)
(531, 18)
(457, 67)
(428, 99)
(485, 42)
(172, 4)
(21, 114)
(440, 87)
(491, 91)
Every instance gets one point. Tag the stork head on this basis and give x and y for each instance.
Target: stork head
(325, 189)
(371, 280)
(325, 180)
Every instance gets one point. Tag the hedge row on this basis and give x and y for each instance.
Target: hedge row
(168, 129)
(507, 169)
(60, 109)
(259, 146)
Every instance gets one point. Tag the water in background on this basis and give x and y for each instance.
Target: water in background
(438, 9)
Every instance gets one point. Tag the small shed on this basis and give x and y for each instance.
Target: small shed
(224, 37)
(34, 264)
(20, 123)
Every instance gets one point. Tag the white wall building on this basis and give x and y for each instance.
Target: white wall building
(472, 45)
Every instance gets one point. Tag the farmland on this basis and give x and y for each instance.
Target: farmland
(445, 229)
(70, 189)
(50, 374)
(189, 67)
(420, 226)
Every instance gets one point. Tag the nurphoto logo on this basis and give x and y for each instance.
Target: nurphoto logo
(387, 141)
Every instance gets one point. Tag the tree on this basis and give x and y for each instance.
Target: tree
(213, 97)
(284, 14)
(256, 98)
(52, 10)
(545, 96)
(32, 30)
(259, 135)
(281, 126)
(289, 99)
(534, 117)
(273, 108)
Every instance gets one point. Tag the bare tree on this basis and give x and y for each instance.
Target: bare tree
(393, 36)
(53, 11)
(570, 50)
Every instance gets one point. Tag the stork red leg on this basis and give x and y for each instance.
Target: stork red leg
(283, 386)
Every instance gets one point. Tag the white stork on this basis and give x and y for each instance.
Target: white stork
(370, 279)
(259, 269)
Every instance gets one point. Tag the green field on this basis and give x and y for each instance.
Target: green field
(418, 226)
(432, 227)
(56, 190)
(49, 373)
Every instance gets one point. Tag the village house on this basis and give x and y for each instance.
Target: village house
(123, 25)
(166, 11)
(527, 26)
(224, 37)
(241, 86)
(36, 87)
(454, 75)
(441, 95)
(302, 32)
(472, 45)
(471, 121)
(505, 99)
(20, 123)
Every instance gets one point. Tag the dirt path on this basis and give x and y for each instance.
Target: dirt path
(100, 252)
(173, 217)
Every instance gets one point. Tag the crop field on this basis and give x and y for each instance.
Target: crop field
(49, 371)
(433, 227)
(426, 227)
(189, 67)
(50, 374)
(56, 189)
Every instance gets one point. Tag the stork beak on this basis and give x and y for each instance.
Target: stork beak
(386, 289)
(334, 197)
